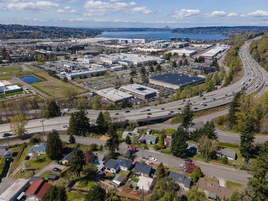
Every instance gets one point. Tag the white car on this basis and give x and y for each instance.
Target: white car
(201, 103)
(142, 110)
(153, 159)
(182, 166)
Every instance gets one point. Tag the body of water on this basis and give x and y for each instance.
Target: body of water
(161, 34)
(30, 79)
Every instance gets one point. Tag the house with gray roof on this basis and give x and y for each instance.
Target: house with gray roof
(135, 130)
(149, 139)
(180, 179)
(125, 134)
(118, 179)
(112, 166)
(143, 169)
(66, 158)
(99, 158)
(231, 155)
(124, 164)
(7, 153)
(39, 149)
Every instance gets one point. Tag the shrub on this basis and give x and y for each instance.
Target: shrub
(156, 147)
(220, 120)
(225, 160)
(24, 145)
(227, 144)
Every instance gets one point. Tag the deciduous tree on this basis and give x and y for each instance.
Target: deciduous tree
(53, 109)
(69, 93)
(18, 123)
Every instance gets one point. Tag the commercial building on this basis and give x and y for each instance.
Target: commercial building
(113, 95)
(9, 89)
(87, 73)
(148, 49)
(180, 52)
(70, 65)
(15, 191)
(176, 81)
(213, 52)
(201, 69)
(140, 91)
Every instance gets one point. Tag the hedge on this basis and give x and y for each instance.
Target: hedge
(227, 144)
(2, 166)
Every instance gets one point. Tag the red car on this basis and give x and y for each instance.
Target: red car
(148, 117)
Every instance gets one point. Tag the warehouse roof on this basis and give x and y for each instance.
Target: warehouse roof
(113, 94)
(139, 89)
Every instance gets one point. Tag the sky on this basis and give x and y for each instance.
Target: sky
(134, 13)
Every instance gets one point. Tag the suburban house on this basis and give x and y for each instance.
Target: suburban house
(149, 131)
(143, 169)
(118, 179)
(37, 190)
(33, 179)
(124, 150)
(15, 191)
(112, 166)
(125, 134)
(67, 150)
(135, 130)
(231, 155)
(149, 139)
(124, 164)
(66, 159)
(168, 139)
(5, 152)
(40, 149)
(213, 189)
(193, 148)
(180, 179)
(99, 157)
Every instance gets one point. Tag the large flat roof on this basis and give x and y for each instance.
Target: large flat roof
(177, 79)
(113, 94)
(13, 189)
(139, 89)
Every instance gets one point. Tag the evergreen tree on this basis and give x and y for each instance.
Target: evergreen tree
(53, 109)
(158, 67)
(216, 79)
(112, 143)
(54, 145)
(160, 172)
(79, 123)
(71, 139)
(101, 147)
(151, 69)
(107, 118)
(131, 81)
(247, 139)
(233, 109)
(128, 140)
(180, 63)
(161, 141)
(187, 116)
(174, 64)
(97, 193)
(101, 126)
(55, 193)
(142, 70)
(77, 161)
(179, 145)
(225, 160)
(210, 131)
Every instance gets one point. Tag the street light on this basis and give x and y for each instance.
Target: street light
(42, 121)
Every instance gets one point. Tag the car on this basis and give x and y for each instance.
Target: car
(205, 105)
(201, 95)
(116, 113)
(65, 126)
(148, 116)
(56, 169)
(153, 159)
(171, 111)
(149, 113)
(204, 98)
(142, 110)
(127, 111)
(144, 157)
(162, 108)
(236, 163)
(27, 158)
(53, 130)
(6, 134)
(201, 103)
(187, 160)
(233, 92)
(182, 166)
(214, 98)
(223, 99)
(226, 94)
(195, 108)
(179, 108)
(127, 120)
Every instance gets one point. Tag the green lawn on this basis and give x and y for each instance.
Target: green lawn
(76, 196)
(233, 185)
(45, 174)
(18, 160)
(135, 179)
(85, 184)
(11, 94)
(10, 69)
(211, 179)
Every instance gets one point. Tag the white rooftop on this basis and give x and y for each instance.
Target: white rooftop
(213, 51)
(139, 89)
(113, 94)
(13, 189)
(182, 51)
(144, 183)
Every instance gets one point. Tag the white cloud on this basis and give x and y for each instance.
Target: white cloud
(259, 13)
(116, 0)
(105, 7)
(32, 7)
(183, 13)
(67, 11)
(143, 9)
(67, 7)
(158, 11)
(14, 1)
(133, 3)
(232, 15)
(218, 13)
(101, 21)
(78, 19)
(87, 14)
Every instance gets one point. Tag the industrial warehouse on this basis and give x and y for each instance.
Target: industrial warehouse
(176, 81)
(113, 95)
(140, 91)
(214, 52)
(201, 69)
(180, 52)
(84, 74)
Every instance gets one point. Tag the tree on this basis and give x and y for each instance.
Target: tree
(131, 81)
(128, 140)
(179, 145)
(53, 109)
(164, 190)
(170, 130)
(107, 118)
(247, 139)
(145, 79)
(180, 63)
(69, 93)
(79, 123)
(187, 116)
(174, 64)
(34, 156)
(160, 172)
(71, 139)
(65, 79)
(55, 193)
(96, 103)
(18, 123)
(82, 102)
(196, 195)
(210, 86)
(225, 160)
(210, 131)
(97, 193)
(101, 147)
(196, 174)
(233, 109)
(161, 141)
(151, 69)
(185, 63)
(158, 67)
(101, 125)
(112, 143)
(77, 161)
(234, 196)
(54, 145)
(142, 70)
(216, 79)
(207, 146)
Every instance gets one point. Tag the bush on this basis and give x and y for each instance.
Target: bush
(235, 128)
(24, 145)
(225, 160)
(156, 147)
(93, 147)
(220, 120)
(227, 144)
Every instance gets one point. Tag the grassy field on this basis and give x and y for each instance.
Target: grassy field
(76, 196)
(233, 185)
(17, 160)
(54, 86)
(10, 69)
(10, 94)
(45, 174)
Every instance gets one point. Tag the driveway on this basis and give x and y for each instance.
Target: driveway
(49, 168)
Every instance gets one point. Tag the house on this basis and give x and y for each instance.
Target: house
(149, 131)
(118, 179)
(193, 148)
(37, 190)
(180, 179)
(125, 134)
(67, 150)
(124, 150)
(144, 183)
(112, 166)
(135, 130)
(213, 189)
(168, 139)
(7, 153)
(149, 139)
(143, 169)
(33, 179)
(89, 155)
(40, 149)
(52, 177)
(66, 159)
(99, 157)
(15, 191)
(124, 164)
(231, 155)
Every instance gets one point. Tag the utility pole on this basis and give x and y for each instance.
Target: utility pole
(43, 126)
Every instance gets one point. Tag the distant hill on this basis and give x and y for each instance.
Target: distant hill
(222, 30)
